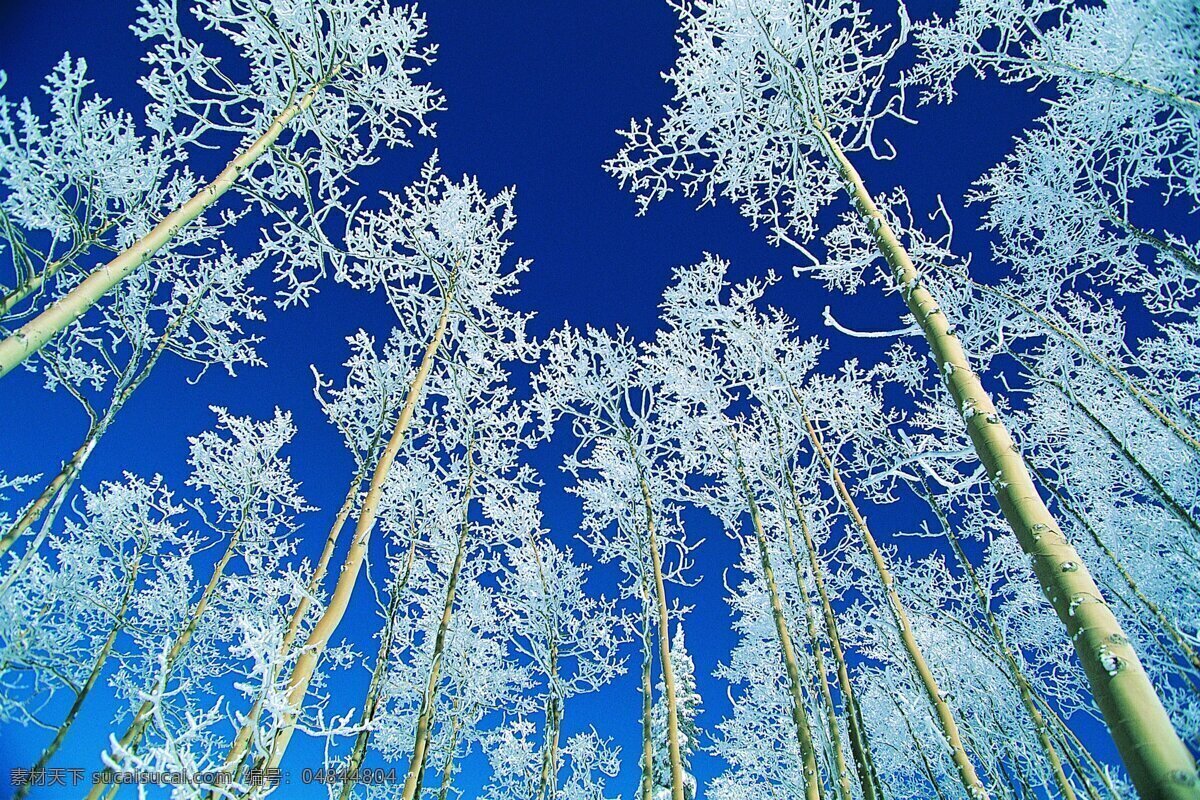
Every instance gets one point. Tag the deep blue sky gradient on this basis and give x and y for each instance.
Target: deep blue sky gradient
(535, 90)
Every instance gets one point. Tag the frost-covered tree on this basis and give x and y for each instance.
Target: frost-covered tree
(81, 178)
(193, 310)
(375, 385)
(469, 455)
(1095, 435)
(771, 100)
(627, 470)
(687, 702)
(439, 252)
(694, 379)
(763, 756)
(181, 630)
(306, 96)
(65, 612)
(570, 638)
(763, 358)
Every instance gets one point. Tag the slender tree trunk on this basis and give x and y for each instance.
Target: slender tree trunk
(371, 704)
(958, 754)
(1016, 673)
(1180, 256)
(856, 728)
(1158, 762)
(1164, 495)
(926, 766)
(52, 494)
(33, 335)
(416, 764)
(55, 492)
(1076, 749)
(98, 664)
(546, 780)
(647, 782)
(448, 765)
(323, 631)
(845, 791)
(813, 785)
(664, 645)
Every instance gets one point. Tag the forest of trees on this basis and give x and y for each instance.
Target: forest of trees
(967, 568)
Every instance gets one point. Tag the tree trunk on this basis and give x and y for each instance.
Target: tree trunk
(98, 664)
(966, 770)
(132, 736)
(845, 791)
(856, 729)
(323, 631)
(647, 782)
(448, 765)
(1151, 607)
(52, 495)
(56, 491)
(664, 645)
(926, 766)
(813, 785)
(1149, 478)
(416, 764)
(547, 780)
(371, 704)
(241, 743)
(1116, 375)
(35, 282)
(33, 335)
(1015, 672)
(1158, 762)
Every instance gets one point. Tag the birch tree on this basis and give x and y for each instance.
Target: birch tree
(570, 638)
(194, 311)
(66, 610)
(84, 178)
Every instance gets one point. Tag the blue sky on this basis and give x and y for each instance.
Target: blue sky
(535, 90)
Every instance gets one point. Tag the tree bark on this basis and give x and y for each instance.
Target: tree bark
(856, 729)
(416, 764)
(81, 694)
(845, 791)
(1164, 495)
(371, 704)
(664, 645)
(1116, 375)
(133, 734)
(245, 734)
(647, 781)
(1164, 622)
(1016, 673)
(1158, 762)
